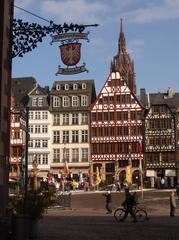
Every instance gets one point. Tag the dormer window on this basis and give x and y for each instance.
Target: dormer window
(84, 100)
(66, 86)
(83, 85)
(75, 101)
(40, 101)
(56, 101)
(34, 102)
(58, 87)
(66, 101)
(75, 86)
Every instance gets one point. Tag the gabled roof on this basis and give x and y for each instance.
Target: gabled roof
(20, 88)
(38, 90)
(116, 79)
(170, 99)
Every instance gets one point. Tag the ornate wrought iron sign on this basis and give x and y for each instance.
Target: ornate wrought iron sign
(70, 52)
(26, 36)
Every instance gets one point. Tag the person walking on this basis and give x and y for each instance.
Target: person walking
(177, 191)
(108, 204)
(118, 187)
(129, 204)
(172, 204)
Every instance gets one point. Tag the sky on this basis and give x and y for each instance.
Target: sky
(151, 31)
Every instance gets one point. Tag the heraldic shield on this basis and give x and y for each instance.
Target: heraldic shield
(70, 53)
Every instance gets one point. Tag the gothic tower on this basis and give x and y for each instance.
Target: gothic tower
(122, 62)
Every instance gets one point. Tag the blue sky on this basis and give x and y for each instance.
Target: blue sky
(152, 38)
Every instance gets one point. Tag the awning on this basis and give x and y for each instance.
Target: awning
(150, 173)
(170, 173)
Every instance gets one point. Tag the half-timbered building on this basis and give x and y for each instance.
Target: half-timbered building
(161, 138)
(116, 121)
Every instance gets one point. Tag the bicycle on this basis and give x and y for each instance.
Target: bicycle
(140, 214)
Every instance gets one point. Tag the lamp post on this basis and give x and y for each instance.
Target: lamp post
(26, 159)
(140, 168)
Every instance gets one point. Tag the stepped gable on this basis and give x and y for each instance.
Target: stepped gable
(122, 62)
(20, 89)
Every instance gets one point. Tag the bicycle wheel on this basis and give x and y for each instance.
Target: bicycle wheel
(141, 215)
(119, 214)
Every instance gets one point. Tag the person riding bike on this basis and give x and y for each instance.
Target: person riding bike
(129, 204)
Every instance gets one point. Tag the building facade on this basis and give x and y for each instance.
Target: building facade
(69, 109)
(39, 130)
(161, 139)
(116, 122)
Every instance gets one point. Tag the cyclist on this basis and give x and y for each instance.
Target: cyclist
(129, 204)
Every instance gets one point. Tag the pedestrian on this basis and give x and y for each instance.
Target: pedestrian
(129, 205)
(162, 182)
(177, 191)
(172, 204)
(108, 202)
(118, 187)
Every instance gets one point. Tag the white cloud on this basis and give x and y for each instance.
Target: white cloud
(24, 3)
(75, 10)
(166, 10)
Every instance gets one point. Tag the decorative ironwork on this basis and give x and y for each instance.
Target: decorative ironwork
(26, 35)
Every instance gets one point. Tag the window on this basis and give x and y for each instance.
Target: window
(66, 101)
(74, 118)
(30, 144)
(133, 115)
(44, 129)
(56, 119)
(125, 115)
(65, 119)
(34, 102)
(84, 136)
(31, 128)
(84, 155)
(44, 159)
(75, 86)
(58, 87)
(94, 117)
(44, 143)
(84, 118)
(105, 115)
(65, 136)
(75, 136)
(75, 101)
(83, 85)
(75, 154)
(66, 86)
(37, 143)
(37, 115)
(40, 101)
(56, 101)
(37, 128)
(45, 115)
(31, 115)
(84, 100)
(56, 155)
(56, 137)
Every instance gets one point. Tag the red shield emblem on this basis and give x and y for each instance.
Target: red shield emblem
(70, 53)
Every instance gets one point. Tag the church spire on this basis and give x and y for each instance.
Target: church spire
(122, 41)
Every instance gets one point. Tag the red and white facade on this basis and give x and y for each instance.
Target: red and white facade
(116, 122)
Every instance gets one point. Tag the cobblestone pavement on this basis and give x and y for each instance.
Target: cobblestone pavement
(87, 220)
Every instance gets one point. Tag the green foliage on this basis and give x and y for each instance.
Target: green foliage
(35, 205)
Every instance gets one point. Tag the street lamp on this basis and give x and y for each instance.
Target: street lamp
(140, 167)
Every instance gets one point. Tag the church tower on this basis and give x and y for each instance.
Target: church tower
(122, 62)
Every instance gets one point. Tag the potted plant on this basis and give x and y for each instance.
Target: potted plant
(27, 212)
